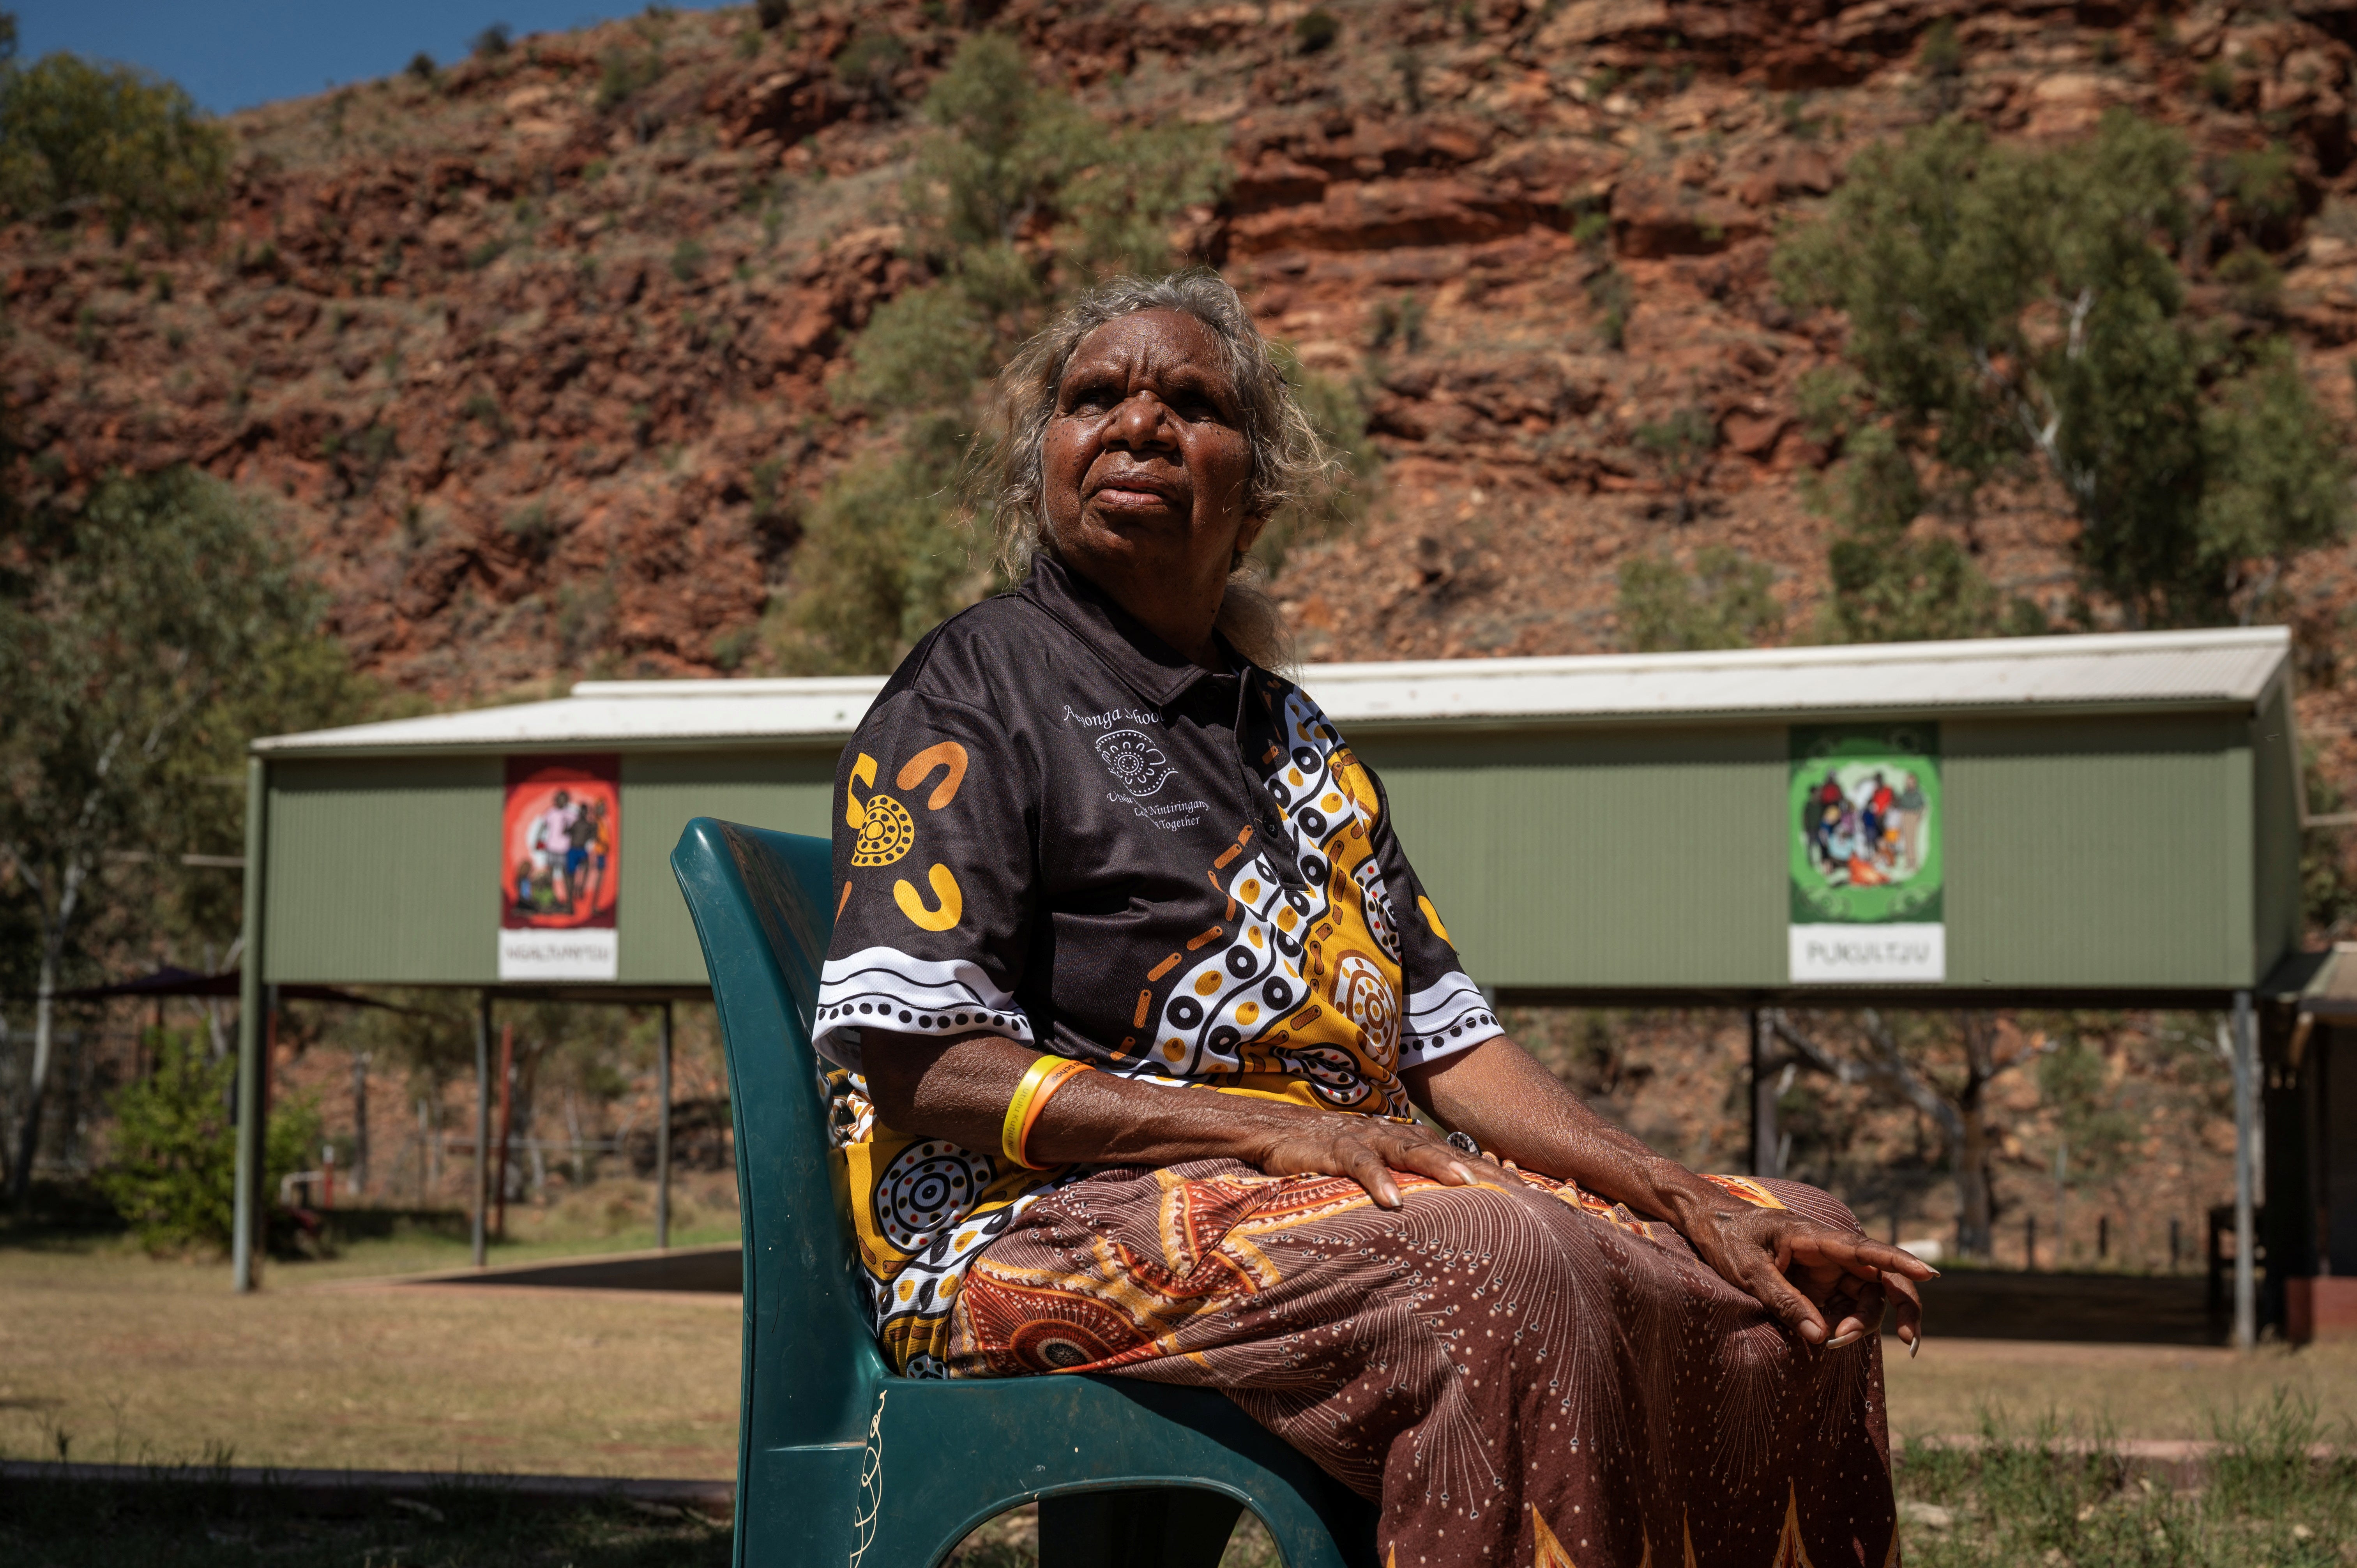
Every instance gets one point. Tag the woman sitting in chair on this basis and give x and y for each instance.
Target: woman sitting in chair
(1134, 994)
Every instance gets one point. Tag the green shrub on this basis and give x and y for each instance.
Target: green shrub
(2253, 283)
(2260, 184)
(1890, 584)
(175, 1148)
(1827, 399)
(1400, 322)
(882, 561)
(869, 63)
(2218, 82)
(766, 490)
(1680, 447)
(172, 1174)
(79, 139)
(533, 530)
(1943, 53)
(1725, 602)
(1613, 297)
(1338, 497)
(622, 76)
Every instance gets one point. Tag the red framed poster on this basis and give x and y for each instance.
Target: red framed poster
(560, 869)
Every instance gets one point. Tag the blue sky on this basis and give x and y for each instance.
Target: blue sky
(232, 54)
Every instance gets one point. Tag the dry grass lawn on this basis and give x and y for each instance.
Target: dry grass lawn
(2131, 1391)
(126, 1358)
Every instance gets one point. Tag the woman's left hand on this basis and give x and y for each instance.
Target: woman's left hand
(1809, 1275)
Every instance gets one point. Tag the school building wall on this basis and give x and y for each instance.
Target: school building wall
(2115, 851)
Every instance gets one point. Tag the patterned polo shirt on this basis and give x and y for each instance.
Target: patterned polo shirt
(1053, 826)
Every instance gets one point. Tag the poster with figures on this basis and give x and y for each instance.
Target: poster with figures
(560, 869)
(1865, 818)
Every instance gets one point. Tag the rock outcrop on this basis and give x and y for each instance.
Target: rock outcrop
(536, 357)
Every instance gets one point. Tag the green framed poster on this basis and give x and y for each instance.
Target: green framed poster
(1863, 831)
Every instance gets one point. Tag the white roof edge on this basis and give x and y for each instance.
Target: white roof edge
(2216, 668)
(762, 686)
(2105, 644)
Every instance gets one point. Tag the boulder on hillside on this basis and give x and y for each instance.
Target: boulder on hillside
(1653, 217)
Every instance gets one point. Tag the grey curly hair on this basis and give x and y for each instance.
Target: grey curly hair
(1287, 456)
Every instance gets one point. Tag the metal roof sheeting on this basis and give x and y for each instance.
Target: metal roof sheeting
(2221, 668)
(2204, 669)
(619, 713)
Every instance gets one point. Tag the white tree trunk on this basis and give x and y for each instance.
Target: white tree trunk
(53, 949)
(29, 1139)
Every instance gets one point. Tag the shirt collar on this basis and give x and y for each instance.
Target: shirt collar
(1147, 665)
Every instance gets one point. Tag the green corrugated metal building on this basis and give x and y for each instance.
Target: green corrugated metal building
(2121, 816)
(2081, 821)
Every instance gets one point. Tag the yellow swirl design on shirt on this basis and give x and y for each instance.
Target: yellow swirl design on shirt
(945, 892)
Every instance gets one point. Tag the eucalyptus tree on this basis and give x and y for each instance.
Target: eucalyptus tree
(2021, 312)
(80, 138)
(144, 637)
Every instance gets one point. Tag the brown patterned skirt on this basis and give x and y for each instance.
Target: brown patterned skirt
(1517, 1372)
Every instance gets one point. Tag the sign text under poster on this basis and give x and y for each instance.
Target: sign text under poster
(560, 862)
(1865, 821)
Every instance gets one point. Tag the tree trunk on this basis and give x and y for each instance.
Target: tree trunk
(360, 1124)
(216, 1036)
(580, 1153)
(1975, 1204)
(1975, 1222)
(28, 1138)
(527, 1092)
(507, 1126)
(75, 1052)
(45, 1012)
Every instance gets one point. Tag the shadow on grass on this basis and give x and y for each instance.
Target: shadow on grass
(61, 1216)
(185, 1520)
(2265, 1494)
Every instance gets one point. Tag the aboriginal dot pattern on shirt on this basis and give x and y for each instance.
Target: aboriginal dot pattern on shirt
(1053, 828)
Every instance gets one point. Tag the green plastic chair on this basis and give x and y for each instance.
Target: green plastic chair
(841, 1461)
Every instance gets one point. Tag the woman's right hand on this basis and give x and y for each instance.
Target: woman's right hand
(959, 1090)
(1367, 1149)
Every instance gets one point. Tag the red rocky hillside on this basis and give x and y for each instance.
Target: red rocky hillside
(536, 357)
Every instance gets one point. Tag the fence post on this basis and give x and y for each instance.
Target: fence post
(253, 1059)
(663, 1131)
(482, 1123)
(2246, 1313)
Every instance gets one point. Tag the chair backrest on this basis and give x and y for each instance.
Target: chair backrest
(760, 901)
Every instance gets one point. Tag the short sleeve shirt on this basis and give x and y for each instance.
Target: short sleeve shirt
(1053, 827)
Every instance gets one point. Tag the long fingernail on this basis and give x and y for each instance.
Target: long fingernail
(1462, 1174)
(1914, 1344)
(1850, 1339)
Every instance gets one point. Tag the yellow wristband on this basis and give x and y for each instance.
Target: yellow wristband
(1039, 1098)
(1041, 1079)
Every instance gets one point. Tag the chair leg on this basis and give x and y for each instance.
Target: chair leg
(1160, 1528)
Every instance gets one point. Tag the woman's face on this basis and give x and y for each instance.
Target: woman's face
(1146, 468)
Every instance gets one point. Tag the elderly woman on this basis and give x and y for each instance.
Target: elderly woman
(1136, 997)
